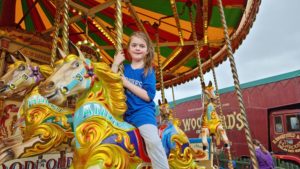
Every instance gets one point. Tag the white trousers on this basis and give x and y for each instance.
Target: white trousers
(154, 146)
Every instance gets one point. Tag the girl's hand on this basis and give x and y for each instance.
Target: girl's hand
(119, 58)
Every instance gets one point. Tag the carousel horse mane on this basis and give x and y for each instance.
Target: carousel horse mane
(113, 82)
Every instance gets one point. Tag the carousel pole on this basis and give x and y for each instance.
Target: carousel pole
(174, 102)
(55, 36)
(119, 29)
(161, 79)
(65, 30)
(230, 165)
(237, 87)
(196, 42)
(217, 89)
(2, 62)
(205, 26)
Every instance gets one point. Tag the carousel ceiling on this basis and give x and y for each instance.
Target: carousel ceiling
(94, 20)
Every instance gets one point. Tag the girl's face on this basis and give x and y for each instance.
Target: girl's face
(137, 48)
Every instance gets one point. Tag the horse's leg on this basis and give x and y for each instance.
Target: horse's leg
(12, 140)
(223, 135)
(16, 150)
(204, 134)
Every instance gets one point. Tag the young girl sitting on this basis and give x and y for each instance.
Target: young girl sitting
(139, 82)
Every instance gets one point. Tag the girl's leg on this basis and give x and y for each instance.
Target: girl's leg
(154, 146)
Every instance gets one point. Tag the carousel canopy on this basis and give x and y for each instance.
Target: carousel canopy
(94, 20)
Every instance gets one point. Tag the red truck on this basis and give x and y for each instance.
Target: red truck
(273, 113)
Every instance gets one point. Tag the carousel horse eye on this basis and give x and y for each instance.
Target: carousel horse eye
(75, 64)
(64, 90)
(21, 68)
(12, 86)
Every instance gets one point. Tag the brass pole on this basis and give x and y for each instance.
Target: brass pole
(230, 165)
(55, 36)
(195, 39)
(237, 87)
(65, 30)
(174, 102)
(2, 62)
(119, 29)
(161, 76)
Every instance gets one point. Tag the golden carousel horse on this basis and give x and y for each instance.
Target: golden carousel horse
(42, 126)
(210, 121)
(103, 138)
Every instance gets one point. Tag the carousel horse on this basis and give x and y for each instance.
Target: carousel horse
(171, 125)
(103, 138)
(210, 121)
(42, 126)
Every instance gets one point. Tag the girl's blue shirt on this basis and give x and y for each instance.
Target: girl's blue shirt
(140, 112)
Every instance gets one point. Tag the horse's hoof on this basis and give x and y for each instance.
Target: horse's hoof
(226, 146)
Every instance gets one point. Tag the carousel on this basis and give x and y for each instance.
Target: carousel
(46, 44)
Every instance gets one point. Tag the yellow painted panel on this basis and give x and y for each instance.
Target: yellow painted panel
(217, 33)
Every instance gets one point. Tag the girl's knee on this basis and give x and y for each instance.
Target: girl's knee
(153, 141)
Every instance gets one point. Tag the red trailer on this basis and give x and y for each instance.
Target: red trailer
(273, 111)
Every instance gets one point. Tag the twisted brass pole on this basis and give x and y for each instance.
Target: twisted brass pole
(237, 87)
(196, 42)
(55, 36)
(174, 102)
(2, 62)
(161, 76)
(119, 30)
(230, 165)
(65, 30)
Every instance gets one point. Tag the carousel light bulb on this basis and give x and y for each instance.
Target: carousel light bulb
(94, 22)
(79, 43)
(92, 44)
(98, 50)
(79, 13)
(85, 41)
(74, 10)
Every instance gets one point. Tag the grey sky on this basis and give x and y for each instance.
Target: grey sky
(271, 48)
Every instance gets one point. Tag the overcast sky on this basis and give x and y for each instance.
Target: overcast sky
(272, 47)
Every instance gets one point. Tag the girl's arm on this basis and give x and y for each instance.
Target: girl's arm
(138, 91)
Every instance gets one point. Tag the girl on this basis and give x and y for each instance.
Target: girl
(139, 82)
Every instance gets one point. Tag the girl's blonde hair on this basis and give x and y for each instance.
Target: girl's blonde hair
(150, 56)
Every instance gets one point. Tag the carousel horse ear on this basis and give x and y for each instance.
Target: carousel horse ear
(60, 53)
(166, 101)
(13, 58)
(209, 83)
(75, 50)
(159, 102)
(27, 60)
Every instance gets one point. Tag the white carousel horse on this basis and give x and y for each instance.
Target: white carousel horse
(210, 121)
(42, 126)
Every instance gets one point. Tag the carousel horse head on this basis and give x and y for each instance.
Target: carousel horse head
(22, 76)
(77, 75)
(165, 111)
(209, 94)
